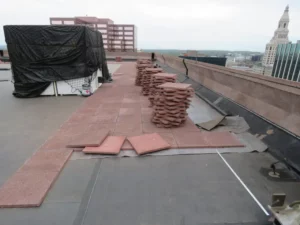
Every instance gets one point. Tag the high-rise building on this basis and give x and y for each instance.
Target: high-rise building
(116, 37)
(280, 37)
(287, 62)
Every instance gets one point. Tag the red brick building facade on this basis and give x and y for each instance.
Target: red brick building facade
(116, 37)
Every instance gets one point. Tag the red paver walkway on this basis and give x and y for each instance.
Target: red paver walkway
(117, 108)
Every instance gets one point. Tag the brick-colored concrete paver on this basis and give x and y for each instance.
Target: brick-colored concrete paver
(151, 128)
(158, 79)
(111, 145)
(89, 139)
(26, 189)
(181, 86)
(170, 105)
(47, 160)
(190, 140)
(57, 141)
(117, 108)
(30, 184)
(129, 127)
(221, 139)
(168, 137)
(148, 143)
(188, 126)
(126, 145)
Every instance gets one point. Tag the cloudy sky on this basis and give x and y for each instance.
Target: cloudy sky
(171, 24)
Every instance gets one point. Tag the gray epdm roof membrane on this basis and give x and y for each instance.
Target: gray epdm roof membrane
(178, 189)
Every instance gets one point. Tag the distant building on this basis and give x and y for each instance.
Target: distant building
(220, 61)
(3, 51)
(267, 71)
(280, 37)
(116, 37)
(193, 53)
(242, 68)
(287, 62)
(256, 58)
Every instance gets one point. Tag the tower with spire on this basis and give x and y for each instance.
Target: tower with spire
(280, 37)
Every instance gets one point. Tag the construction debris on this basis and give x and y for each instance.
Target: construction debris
(146, 79)
(171, 103)
(158, 79)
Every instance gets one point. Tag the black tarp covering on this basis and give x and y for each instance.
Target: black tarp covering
(40, 55)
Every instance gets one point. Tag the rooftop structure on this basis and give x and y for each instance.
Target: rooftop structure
(116, 37)
(280, 37)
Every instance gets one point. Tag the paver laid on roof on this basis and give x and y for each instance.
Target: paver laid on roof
(47, 160)
(190, 140)
(30, 184)
(117, 108)
(26, 189)
(147, 143)
(111, 145)
(221, 139)
(88, 139)
(206, 140)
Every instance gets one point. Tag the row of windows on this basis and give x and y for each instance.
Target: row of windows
(284, 25)
(287, 62)
(72, 22)
(65, 22)
(118, 47)
(115, 33)
(119, 42)
(120, 27)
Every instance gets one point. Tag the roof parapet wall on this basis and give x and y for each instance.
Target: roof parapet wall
(274, 99)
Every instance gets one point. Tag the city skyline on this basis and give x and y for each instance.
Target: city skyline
(213, 25)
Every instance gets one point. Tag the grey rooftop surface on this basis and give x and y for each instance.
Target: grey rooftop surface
(182, 189)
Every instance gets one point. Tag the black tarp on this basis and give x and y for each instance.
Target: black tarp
(40, 55)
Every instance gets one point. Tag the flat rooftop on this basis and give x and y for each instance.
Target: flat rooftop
(175, 189)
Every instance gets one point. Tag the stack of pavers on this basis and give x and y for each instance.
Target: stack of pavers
(146, 79)
(171, 103)
(158, 79)
(140, 67)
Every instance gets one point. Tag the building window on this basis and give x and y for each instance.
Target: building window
(69, 22)
(284, 25)
(102, 31)
(56, 22)
(101, 25)
(128, 28)
(270, 48)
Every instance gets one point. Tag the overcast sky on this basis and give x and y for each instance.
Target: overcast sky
(171, 24)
